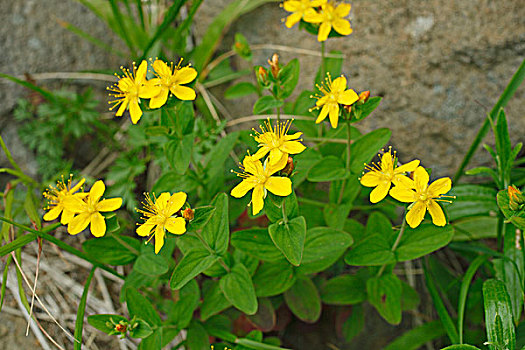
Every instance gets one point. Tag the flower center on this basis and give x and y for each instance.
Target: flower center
(423, 197)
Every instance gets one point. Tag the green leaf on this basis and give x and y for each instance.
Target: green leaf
(323, 247)
(241, 47)
(108, 250)
(191, 265)
(409, 297)
(273, 206)
(355, 323)
(366, 147)
(343, 290)
(201, 217)
(373, 250)
(461, 347)
(516, 217)
(142, 329)
(151, 264)
(30, 209)
(238, 289)
(197, 337)
(214, 302)
(79, 323)
(257, 243)
(498, 315)
(140, 306)
(474, 228)
(153, 342)
(18, 243)
(266, 103)
(329, 168)
(471, 200)
(511, 276)
(215, 159)
(182, 311)
(417, 337)
(303, 300)
(423, 240)
(332, 65)
(503, 144)
(217, 231)
(289, 238)
(303, 163)
(289, 77)
(100, 322)
(273, 278)
(264, 319)
(384, 293)
(240, 90)
(178, 153)
(364, 110)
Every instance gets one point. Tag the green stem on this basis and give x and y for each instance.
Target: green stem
(278, 112)
(311, 202)
(323, 64)
(209, 249)
(64, 246)
(396, 243)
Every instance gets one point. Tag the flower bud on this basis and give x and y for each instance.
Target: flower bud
(289, 167)
(363, 97)
(516, 199)
(188, 214)
(121, 328)
(274, 64)
(262, 75)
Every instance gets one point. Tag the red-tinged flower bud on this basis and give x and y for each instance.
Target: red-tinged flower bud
(363, 97)
(289, 167)
(274, 64)
(188, 214)
(121, 328)
(348, 108)
(516, 199)
(262, 74)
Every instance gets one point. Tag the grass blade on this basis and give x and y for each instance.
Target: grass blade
(467, 279)
(47, 95)
(79, 323)
(417, 337)
(120, 22)
(4, 280)
(509, 91)
(17, 243)
(445, 318)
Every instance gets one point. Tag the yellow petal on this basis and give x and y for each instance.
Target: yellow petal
(342, 26)
(53, 213)
(312, 16)
(440, 186)
(66, 217)
(162, 68)
(275, 156)
(160, 99)
(324, 31)
(241, 189)
(380, 192)
(134, 110)
(317, 3)
(272, 168)
(75, 204)
(334, 115)
(323, 114)
(97, 191)
(421, 177)
(348, 97)
(263, 150)
(141, 72)
(293, 136)
(122, 107)
(416, 214)
(159, 239)
(410, 166)
(98, 225)
(343, 9)
(292, 5)
(184, 75)
(371, 179)
(438, 217)
(403, 194)
(162, 200)
(125, 84)
(257, 199)
(387, 163)
(150, 88)
(183, 93)
(281, 186)
(339, 84)
(77, 186)
(145, 229)
(293, 147)
(323, 100)
(403, 181)
(109, 204)
(176, 226)
(78, 223)
(176, 202)
(293, 19)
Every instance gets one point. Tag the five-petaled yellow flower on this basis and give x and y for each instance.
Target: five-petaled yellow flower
(260, 179)
(275, 141)
(300, 8)
(334, 93)
(88, 210)
(171, 80)
(330, 16)
(381, 176)
(57, 196)
(158, 214)
(130, 89)
(422, 196)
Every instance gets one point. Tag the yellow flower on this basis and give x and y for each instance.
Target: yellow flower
(422, 196)
(330, 16)
(89, 209)
(381, 176)
(130, 89)
(275, 141)
(299, 8)
(56, 197)
(158, 215)
(334, 93)
(170, 80)
(260, 179)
